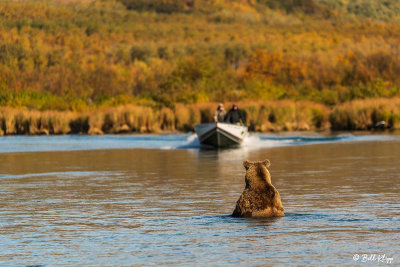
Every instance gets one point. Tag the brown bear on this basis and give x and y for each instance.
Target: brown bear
(259, 198)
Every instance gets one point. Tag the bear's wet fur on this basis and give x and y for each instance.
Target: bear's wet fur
(259, 198)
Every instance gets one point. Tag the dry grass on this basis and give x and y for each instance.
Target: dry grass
(183, 118)
(23, 121)
(286, 116)
(126, 119)
(365, 114)
(262, 116)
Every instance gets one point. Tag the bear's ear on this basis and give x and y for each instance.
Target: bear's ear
(246, 164)
(266, 163)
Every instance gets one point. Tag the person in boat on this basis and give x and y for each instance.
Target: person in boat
(219, 114)
(235, 116)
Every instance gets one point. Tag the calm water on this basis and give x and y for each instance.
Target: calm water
(162, 200)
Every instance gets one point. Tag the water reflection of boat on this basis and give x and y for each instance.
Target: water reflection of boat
(220, 134)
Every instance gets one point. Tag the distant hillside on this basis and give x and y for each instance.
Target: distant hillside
(388, 9)
(78, 54)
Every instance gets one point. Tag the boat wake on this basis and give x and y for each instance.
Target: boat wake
(167, 141)
(191, 142)
(256, 141)
(264, 140)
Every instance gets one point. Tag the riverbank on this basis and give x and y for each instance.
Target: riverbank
(263, 116)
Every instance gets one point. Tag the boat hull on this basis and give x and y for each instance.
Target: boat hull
(220, 134)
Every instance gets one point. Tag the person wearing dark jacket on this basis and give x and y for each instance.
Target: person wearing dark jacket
(235, 116)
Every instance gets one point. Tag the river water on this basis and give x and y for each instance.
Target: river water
(164, 200)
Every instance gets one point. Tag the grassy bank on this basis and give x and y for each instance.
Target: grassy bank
(116, 66)
(262, 116)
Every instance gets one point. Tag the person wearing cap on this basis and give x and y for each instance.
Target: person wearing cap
(219, 114)
(235, 116)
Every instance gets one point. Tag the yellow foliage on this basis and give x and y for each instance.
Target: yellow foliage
(84, 55)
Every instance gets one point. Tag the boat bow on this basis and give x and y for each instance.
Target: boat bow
(220, 134)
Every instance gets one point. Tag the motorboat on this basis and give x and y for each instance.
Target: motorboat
(220, 134)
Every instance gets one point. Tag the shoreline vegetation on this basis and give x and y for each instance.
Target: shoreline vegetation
(263, 116)
(147, 66)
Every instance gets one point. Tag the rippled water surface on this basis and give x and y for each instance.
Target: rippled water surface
(164, 200)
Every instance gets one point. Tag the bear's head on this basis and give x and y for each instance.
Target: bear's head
(257, 174)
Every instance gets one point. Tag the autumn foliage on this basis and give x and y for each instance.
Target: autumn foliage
(163, 55)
